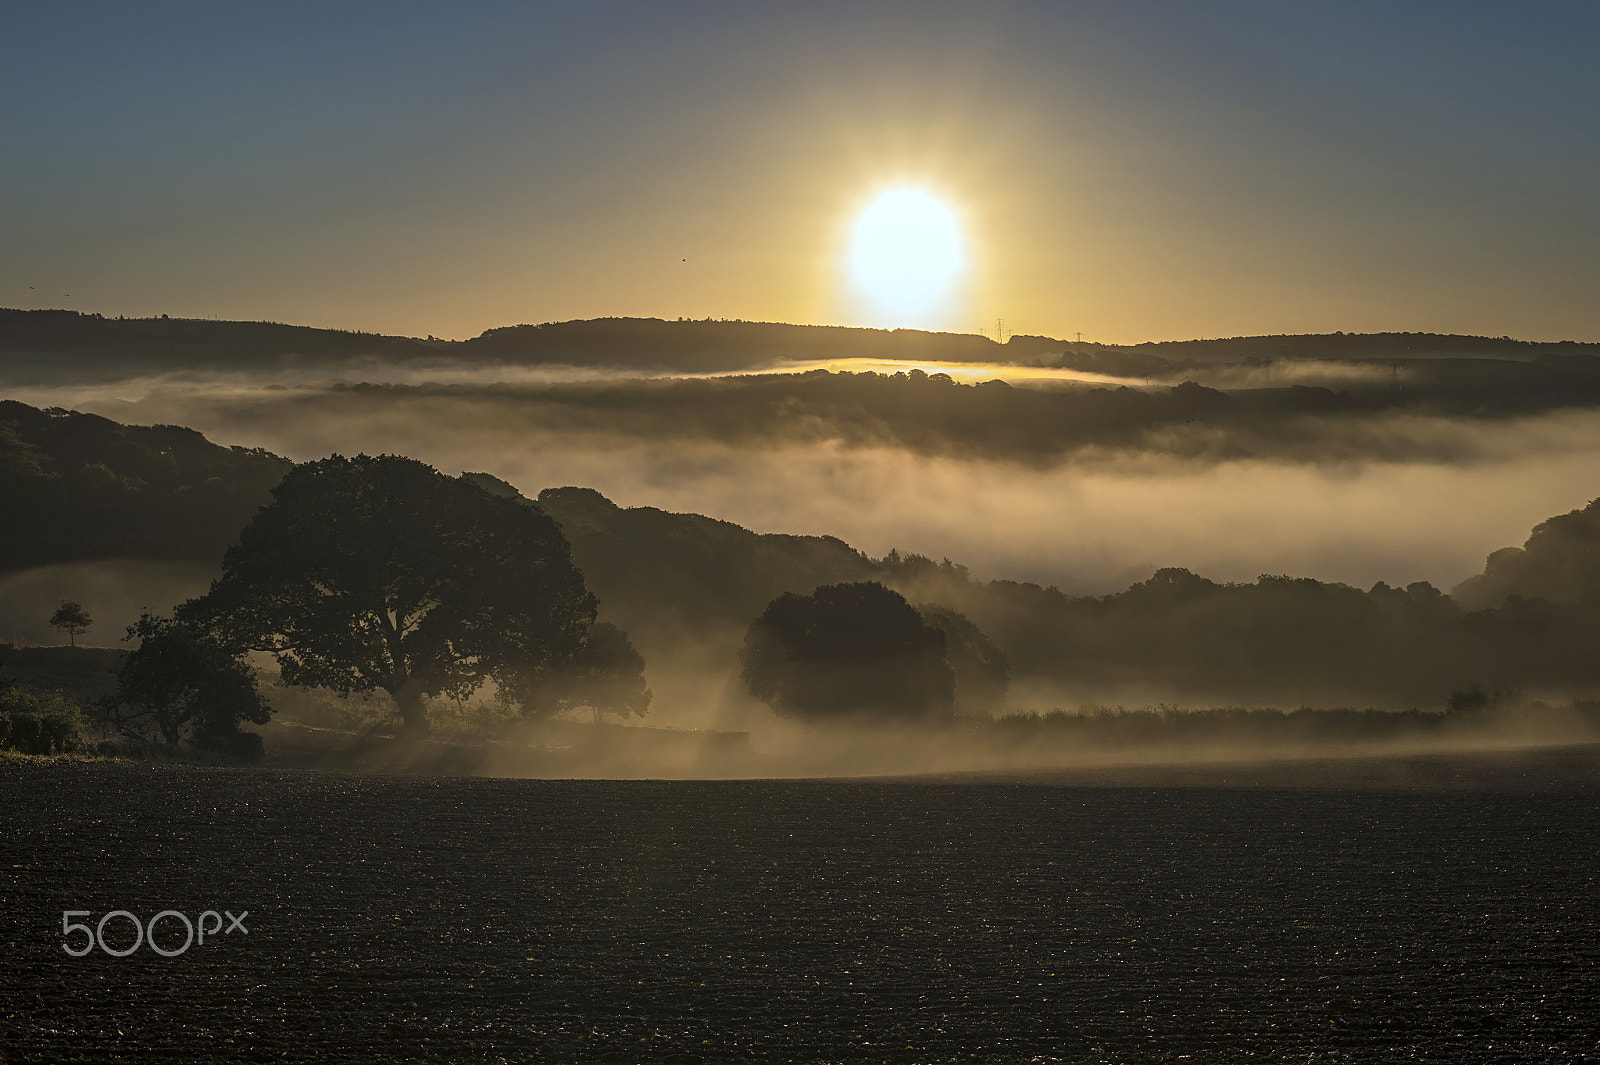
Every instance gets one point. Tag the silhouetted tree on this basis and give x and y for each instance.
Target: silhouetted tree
(606, 677)
(981, 670)
(181, 683)
(72, 619)
(367, 573)
(848, 650)
(1560, 562)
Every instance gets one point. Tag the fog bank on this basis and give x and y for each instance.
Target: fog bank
(1089, 523)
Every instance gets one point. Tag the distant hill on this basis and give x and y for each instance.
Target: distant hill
(674, 580)
(44, 346)
(715, 346)
(48, 346)
(1362, 346)
(77, 486)
(656, 570)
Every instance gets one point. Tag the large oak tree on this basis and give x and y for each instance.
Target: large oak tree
(381, 573)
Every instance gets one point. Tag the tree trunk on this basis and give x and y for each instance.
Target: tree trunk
(413, 715)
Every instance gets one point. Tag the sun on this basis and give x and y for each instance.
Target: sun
(906, 255)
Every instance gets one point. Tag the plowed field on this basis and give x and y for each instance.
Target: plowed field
(1454, 918)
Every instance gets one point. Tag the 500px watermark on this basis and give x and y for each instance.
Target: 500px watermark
(97, 934)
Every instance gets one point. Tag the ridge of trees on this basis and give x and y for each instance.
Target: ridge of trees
(932, 414)
(697, 345)
(78, 486)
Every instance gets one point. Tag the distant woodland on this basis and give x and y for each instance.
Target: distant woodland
(55, 345)
(929, 414)
(80, 487)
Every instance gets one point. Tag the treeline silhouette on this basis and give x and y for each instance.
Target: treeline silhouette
(1376, 346)
(1560, 562)
(77, 486)
(54, 345)
(713, 346)
(59, 345)
(1278, 640)
(934, 415)
(686, 576)
(32, 344)
(1469, 713)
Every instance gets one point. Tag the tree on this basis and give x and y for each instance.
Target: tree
(607, 677)
(982, 672)
(71, 618)
(181, 683)
(848, 650)
(382, 573)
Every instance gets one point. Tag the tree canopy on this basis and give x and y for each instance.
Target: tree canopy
(182, 683)
(982, 671)
(856, 650)
(381, 573)
(605, 677)
(78, 486)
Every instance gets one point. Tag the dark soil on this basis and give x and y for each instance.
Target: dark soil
(1144, 919)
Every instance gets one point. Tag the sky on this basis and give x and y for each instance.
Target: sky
(1128, 171)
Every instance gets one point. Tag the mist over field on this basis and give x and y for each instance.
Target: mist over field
(1201, 490)
(1398, 496)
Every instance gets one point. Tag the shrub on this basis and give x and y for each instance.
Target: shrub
(39, 724)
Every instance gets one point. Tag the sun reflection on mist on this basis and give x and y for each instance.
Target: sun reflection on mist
(967, 373)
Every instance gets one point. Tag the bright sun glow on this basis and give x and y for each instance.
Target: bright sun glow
(906, 254)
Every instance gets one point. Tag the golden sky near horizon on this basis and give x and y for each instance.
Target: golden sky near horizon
(1130, 173)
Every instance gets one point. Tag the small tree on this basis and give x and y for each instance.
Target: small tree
(71, 618)
(182, 684)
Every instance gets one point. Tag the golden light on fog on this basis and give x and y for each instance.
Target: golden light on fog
(906, 254)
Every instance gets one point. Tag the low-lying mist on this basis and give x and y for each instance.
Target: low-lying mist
(1396, 496)
(481, 742)
(114, 592)
(1088, 489)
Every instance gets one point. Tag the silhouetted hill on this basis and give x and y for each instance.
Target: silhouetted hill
(1361, 346)
(44, 346)
(77, 486)
(715, 346)
(47, 346)
(656, 570)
